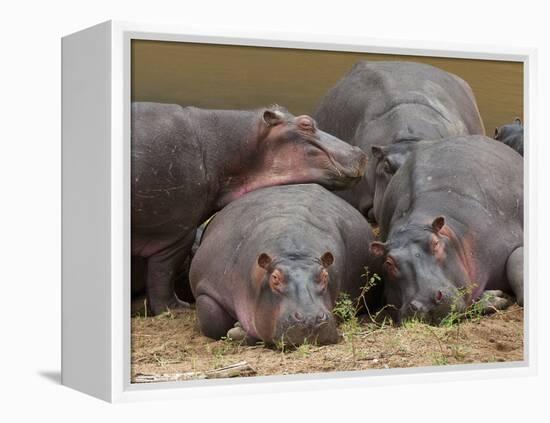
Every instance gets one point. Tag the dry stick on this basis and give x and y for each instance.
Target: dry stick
(238, 369)
(241, 368)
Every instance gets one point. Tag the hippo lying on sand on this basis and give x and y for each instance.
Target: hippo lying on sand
(275, 261)
(380, 103)
(511, 135)
(188, 163)
(452, 218)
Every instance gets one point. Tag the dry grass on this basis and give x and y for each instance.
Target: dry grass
(172, 343)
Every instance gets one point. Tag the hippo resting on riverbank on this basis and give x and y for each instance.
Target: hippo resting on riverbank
(380, 103)
(275, 261)
(188, 163)
(511, 135)
(452, 221)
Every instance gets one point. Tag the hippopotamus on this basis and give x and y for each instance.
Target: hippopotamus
(188, 163)
(381, 103)
(275, 261)
(452, 227)
(511, 135)
(387, 160)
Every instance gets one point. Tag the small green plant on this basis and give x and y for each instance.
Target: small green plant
(347, 310)
(412, 323)
(457, 313)
(344, 309)
(372, 281)
(280, 344)
(477, 309)
(351, 330)
(304, 350)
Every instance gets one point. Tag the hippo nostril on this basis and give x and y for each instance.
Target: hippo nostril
(298, 316)
(322, 317)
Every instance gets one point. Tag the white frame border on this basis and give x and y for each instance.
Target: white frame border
(121, 389)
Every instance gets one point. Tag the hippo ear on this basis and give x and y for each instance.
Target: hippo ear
(496, 133)
(517, 121)
(377, 152)
(264, 261)
(438, 223)
(272, 117)
(379, 249)
(327, 259)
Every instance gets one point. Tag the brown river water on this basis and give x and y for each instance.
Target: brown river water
(237, 77)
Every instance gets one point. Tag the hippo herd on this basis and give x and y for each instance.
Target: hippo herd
(393, 174)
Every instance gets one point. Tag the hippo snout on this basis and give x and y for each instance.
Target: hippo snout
(430, 313)
(317, 328)
(312, 320)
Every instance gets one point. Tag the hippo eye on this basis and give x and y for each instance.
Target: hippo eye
(323, 280)
(276, 283)
(435, 244)
(306, 125)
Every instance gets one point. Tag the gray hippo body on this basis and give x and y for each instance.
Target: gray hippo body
(511, 135)
(387, 161)
(276, 260)
(188, 163)
(380, 103)
(452, 221)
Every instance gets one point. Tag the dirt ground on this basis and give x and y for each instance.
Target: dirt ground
(170, 347)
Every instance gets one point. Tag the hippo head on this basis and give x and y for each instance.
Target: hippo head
(294, 302)
(293, 150)
(505, 131)
(425, 272)
(387, 160)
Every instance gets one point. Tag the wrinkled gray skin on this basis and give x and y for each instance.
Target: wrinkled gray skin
(452, 219)
(381, 103)
(275, 261)
(511, 135)
(386, 161)
(188, 163)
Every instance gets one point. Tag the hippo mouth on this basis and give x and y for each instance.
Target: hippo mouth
(351, 175)
(296, 335)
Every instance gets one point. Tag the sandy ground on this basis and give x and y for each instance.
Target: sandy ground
(172, 344)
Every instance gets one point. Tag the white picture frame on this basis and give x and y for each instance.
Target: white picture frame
(96, 213)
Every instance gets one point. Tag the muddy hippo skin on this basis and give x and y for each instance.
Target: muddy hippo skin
(188, 162)
(511, 135)
(380, 103)
(275, 261)
(452, 221)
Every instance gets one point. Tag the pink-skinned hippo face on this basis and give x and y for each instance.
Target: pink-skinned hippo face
(294, 304)
(293, 150)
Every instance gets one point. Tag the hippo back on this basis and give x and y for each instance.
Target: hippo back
(474, 177)
(294, 222)
(370, 90)
(380, 103)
